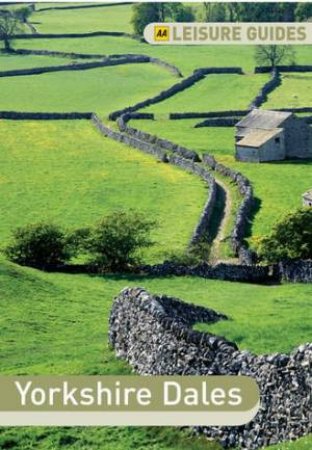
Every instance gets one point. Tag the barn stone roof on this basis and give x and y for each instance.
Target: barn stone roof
(256, 138)
(264, 119)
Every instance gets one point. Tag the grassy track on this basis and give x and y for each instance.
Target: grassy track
(72, 173)
(278, 186)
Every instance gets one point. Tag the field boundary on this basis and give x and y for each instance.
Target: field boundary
(154, 335)
(192, 79)
(100, 5)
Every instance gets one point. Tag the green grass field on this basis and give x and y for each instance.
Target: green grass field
(278, 186)
(214, 93)
(187, 58)
(16, 62)
(107, 18)
(101, 90)
(69, 173)
(295, 91)
(58, 324)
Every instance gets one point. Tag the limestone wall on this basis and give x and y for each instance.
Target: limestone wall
(154, 335)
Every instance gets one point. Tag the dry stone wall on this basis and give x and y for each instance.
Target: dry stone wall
(197, 75)
(281, 68)
(15, 115)
(218, 122)
(244, 186)
(178, 156)
(115, 58)
(243, 213)
(222, 271)
(269, 87)
(154, 335)
(136, 59)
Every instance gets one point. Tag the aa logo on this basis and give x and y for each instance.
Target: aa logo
(161, 33)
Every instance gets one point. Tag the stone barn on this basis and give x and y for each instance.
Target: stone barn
(307, 198)
(265, 135)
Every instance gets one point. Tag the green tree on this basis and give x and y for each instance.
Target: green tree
(291, 238)
(145, 13)
(274, 55)
(9, 25)
(303, 12)
(114, 242)
(23, 13)
(41, 245)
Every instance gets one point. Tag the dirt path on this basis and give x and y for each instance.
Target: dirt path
(225, 196)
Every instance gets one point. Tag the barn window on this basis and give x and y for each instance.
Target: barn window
(277, 140)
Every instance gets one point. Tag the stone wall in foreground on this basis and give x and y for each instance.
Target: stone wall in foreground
(154, 334)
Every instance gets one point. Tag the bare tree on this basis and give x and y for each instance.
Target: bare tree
(274, 55)
(10, 24)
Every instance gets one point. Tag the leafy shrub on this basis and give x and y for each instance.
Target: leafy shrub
(114, 242)
(195, 254)
(39, 245)
(291, 238)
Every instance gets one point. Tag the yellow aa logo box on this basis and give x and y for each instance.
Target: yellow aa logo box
(161, 33)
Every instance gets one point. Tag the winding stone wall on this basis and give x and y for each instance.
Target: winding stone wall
(178, 156)
(154, 335)
(122, 58)
(243, 213)
(244, 186)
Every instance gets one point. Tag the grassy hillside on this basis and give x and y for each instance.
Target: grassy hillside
(69, 173)
(63, 319)
(58, 324)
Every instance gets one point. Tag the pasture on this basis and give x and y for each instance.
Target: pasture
(83, 91)
(295, 91)
(67, 172)
(214, 93)
(70, 174)
(101, 18)
(187, 59)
